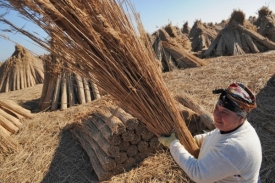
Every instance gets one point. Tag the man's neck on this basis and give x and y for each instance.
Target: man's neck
(226, 132)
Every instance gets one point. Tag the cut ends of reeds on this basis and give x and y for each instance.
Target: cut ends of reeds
(7, 143)
(113, 151)
(117, 141)
(11, 115)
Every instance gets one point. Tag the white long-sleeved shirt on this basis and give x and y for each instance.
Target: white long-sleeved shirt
(231, 157)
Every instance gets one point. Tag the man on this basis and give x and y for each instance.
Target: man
(229, 153)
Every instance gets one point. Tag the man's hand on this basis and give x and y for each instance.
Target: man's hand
(166, 141)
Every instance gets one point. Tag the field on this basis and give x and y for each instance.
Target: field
(49, 153)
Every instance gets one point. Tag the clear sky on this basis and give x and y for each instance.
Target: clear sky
(154, 14)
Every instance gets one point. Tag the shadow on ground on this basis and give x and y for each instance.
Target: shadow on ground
(263, 120)
(70, 163)
(32, 105)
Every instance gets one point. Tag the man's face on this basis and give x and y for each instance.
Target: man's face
(226, 120)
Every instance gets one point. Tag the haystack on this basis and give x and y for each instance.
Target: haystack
(172, 49)
(238, 37)
(115, 141)
(266, 23)
(175, 33)
(20, 71)
(11, 115)
(252, 19)
(185, 28)
(201, 35)
(62, 88)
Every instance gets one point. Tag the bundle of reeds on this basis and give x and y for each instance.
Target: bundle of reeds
(175, 33)
(238, 37)
(205, 117)
(99, 41)
(62, 88)
(20, 71)
(11, 115)
(172, 50)
(116, 141)
(185, 28)
(201, 36)
(266, 23)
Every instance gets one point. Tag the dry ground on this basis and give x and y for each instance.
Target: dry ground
(49, 153)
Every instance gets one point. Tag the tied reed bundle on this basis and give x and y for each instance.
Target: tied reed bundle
(99, 41)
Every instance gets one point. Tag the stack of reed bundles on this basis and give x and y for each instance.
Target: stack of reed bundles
(62, 88)
(20, 71)
(201, 35)
(266, 23)
(11, 115)
(238, 37)
(185, 28)
(115, 141)
(172, 49)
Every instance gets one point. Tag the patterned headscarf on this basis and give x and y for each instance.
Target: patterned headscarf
(236, 98)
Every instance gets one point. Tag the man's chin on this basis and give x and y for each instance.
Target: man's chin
(218, 125)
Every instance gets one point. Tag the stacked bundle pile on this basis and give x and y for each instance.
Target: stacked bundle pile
(11, 115)
(62, 88)
(172, 49)
(205, 118)
(20, 71)
(175, 33)
(201, 35)
(115, 141)
(266, 23)
(238, 37)
(252, 19)
(185, 28)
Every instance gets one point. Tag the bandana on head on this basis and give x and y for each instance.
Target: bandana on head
(236, 98)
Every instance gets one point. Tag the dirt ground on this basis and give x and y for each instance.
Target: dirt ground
(49, 153)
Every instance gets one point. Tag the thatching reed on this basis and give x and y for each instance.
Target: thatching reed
(103, 41)
(185, 28)
(264, 11)
(238, 37)
(151, 170)
(172, 50)
(201, 35)
(266, 23)
(175, 33)
(11, 115)
(20, 71)
(62, 88)
(252, 19)
(116, 142)
(190, 103)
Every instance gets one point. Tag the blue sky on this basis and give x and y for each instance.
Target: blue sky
(154, 14)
